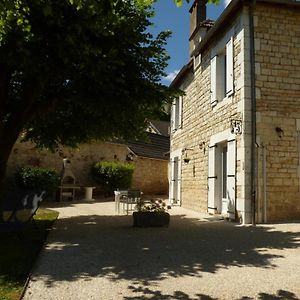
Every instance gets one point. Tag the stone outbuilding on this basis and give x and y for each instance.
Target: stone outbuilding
(235, 133)
(151, 163)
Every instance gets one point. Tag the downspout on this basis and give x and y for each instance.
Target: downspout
(265, 182)
(253, 114)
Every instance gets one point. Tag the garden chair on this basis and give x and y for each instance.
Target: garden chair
(21, 216)
(130, 199)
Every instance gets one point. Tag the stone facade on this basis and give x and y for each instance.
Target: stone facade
(150, 175)
(277, 86)
(200, 121)
(277, 56)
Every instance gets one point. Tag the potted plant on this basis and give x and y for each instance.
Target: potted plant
(151, 214)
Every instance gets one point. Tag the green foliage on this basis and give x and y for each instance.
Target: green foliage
(152, 206)
(113, 175)
(64, 63)
(37, 179)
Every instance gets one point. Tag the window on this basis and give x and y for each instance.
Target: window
(197, 61)
(176, 114)
(221, 72)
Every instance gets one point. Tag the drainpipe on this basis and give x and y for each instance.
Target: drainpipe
(253, 114)
(265, 182)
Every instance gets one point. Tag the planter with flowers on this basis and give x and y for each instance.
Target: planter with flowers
(151, 214)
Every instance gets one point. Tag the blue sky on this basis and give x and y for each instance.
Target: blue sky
(170, 17)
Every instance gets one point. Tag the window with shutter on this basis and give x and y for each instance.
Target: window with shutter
(221, 68)
(229, 67)
(180, 103)
(176, 114)
(213, 81)
(231, 166)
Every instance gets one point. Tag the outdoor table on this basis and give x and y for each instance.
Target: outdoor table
(118, 195)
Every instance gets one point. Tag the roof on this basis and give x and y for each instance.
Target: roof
(219, 25)
(157, 146)
(229, 11)
(160, 127)
(184, 70)
(208, 24)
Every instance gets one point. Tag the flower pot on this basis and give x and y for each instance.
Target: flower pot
(150, 219)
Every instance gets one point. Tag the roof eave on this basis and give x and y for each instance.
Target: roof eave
(184, 70)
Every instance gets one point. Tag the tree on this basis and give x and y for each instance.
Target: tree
(76, 70)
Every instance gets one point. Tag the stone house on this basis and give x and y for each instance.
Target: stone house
(235, 133)
(151, 164)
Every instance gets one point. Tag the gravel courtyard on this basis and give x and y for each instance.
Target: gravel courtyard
(93, 253)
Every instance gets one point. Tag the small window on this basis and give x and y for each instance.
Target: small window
(197, 61)
(176, 114)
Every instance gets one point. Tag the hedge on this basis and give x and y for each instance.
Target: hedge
(38, 179)
(113, 175)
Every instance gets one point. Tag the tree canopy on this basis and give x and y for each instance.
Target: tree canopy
(76, 70)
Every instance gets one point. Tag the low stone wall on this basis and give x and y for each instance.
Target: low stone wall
(150, 175)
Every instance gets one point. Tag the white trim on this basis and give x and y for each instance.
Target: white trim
(222, 136)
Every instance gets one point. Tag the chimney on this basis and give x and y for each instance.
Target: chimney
(198, 26)
(198, 14)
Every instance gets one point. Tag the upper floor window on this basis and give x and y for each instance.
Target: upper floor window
(176, 114)
(221, 72)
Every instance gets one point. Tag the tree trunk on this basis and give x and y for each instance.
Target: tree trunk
(7, 142)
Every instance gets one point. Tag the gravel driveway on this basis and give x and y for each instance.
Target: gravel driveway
(92, 253)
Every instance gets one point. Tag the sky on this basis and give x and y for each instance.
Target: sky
(176, 19)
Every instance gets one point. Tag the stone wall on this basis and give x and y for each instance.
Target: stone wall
(201, 121)
(150, 175)
(277, 55)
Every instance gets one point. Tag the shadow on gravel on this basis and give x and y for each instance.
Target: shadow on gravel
(91, 246)
(178, 295)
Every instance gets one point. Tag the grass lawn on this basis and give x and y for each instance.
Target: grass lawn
(17, 255)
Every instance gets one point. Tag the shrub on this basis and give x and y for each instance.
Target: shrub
(37, 179)
(113, 175)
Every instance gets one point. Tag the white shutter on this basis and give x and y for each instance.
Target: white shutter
(211, 179)
(213, 81)
(180, 103)
(173, 111)
(178, 181)
(171, 186)
(231, 175)
(229, 68)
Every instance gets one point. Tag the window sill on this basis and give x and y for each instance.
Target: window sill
(227, 100)
(176, 132)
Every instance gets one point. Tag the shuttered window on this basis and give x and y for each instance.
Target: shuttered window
(213, 81)
(176, 114)
(229, 67)
(222, 73)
